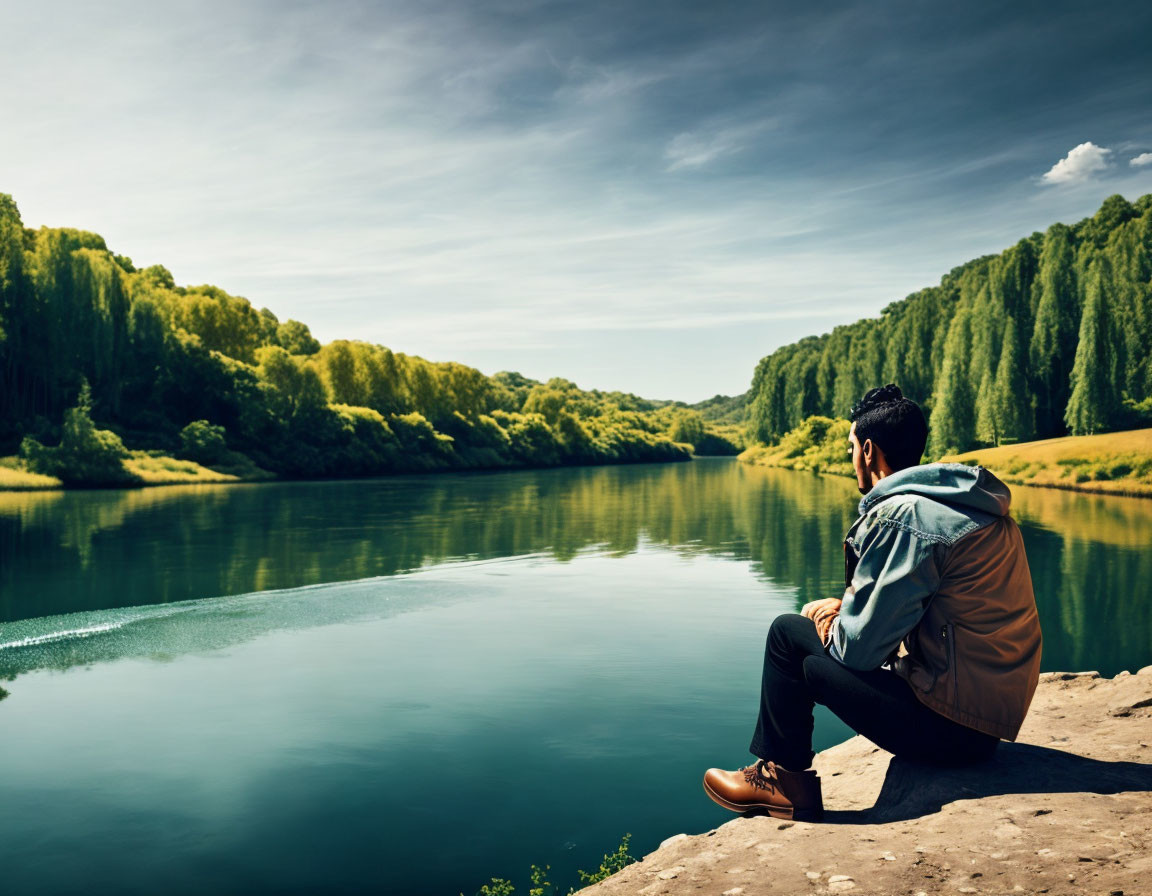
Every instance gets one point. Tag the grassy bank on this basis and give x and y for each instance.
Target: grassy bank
(15, 477)
(141, 468)
(1117, 463)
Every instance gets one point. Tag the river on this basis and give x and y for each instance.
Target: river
(414, 684)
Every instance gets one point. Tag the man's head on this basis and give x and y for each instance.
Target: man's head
(888, 434)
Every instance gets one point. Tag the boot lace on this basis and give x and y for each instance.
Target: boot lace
(758, 776)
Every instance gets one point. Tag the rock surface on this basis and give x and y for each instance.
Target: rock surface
(1066, 809)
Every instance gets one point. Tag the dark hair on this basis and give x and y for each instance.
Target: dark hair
(895, 425)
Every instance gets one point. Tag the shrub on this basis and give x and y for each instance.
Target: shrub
(85, 456)
(204, 443)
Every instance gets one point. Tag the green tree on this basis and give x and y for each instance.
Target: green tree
(1054, 334)
(1095, 396)
(86, 455)
(953, 424)
(1009, 394)
(203, 442)
(296, 339)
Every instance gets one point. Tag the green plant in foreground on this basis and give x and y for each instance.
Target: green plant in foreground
(612, 863)
(540, 885)
(609, 865)
(498, 887)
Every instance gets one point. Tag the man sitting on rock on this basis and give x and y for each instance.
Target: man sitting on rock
(933, 652)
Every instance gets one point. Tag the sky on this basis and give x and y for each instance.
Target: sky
(644, 196)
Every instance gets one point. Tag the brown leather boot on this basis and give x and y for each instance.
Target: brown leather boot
(767, 787)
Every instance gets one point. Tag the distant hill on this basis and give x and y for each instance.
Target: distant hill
(727, 409)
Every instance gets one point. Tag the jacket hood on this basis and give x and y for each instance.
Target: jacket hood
(957, 484)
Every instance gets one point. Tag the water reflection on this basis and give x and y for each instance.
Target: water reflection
(86, 551)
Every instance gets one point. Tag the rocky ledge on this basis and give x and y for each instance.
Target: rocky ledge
(1066, 809)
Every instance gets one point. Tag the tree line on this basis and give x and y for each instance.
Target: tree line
(85, 335)
(1050, 337)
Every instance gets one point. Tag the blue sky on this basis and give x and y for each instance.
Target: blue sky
(637, 196)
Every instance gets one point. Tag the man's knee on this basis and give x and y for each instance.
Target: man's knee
(786, 627)
(791, 637)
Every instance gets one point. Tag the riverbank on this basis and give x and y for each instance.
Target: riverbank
(144, 469)
(1115, 463)
(1062, 810)
(141, 469)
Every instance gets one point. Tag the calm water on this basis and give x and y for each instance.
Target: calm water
(412, 685)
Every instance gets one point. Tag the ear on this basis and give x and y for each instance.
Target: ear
(867, 451)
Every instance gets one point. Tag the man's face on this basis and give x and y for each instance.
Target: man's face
(863, 480)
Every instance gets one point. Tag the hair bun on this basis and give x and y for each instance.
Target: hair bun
(875, 398)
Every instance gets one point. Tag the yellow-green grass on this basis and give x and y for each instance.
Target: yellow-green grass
(13, 477)
(161, 470)
(144, 468)
(1114, 463)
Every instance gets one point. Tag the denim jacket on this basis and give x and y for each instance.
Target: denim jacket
(938, 586)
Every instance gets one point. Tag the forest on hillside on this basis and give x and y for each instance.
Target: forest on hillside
(1050, 337)
(88, 340)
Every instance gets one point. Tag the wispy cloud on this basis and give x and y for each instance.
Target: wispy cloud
(1081, 163)
(699, 148)
(1145, 158)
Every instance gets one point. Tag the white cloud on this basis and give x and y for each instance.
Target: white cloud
(695, 149)
(1079, 165)
(1145, 158)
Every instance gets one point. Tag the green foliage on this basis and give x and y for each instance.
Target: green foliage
(724, 409)
(687, 426)
(498, 887)
(540, 885)
(175, 368)
(1000, 349)
(612, 862)
(1093, 403)
(819, 444)
(296, 339)
(203, 442)
(85, 456)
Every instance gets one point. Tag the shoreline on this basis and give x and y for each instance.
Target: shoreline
(1062, 809)
(1115, 463)
(1089, 488)
(226, 479)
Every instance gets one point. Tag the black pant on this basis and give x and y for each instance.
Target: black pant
(798, 672)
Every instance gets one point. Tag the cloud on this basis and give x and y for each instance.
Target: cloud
(1145, 158)
(695, 149)
(1079, 165)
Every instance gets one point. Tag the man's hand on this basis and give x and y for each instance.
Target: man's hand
(822, 612)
